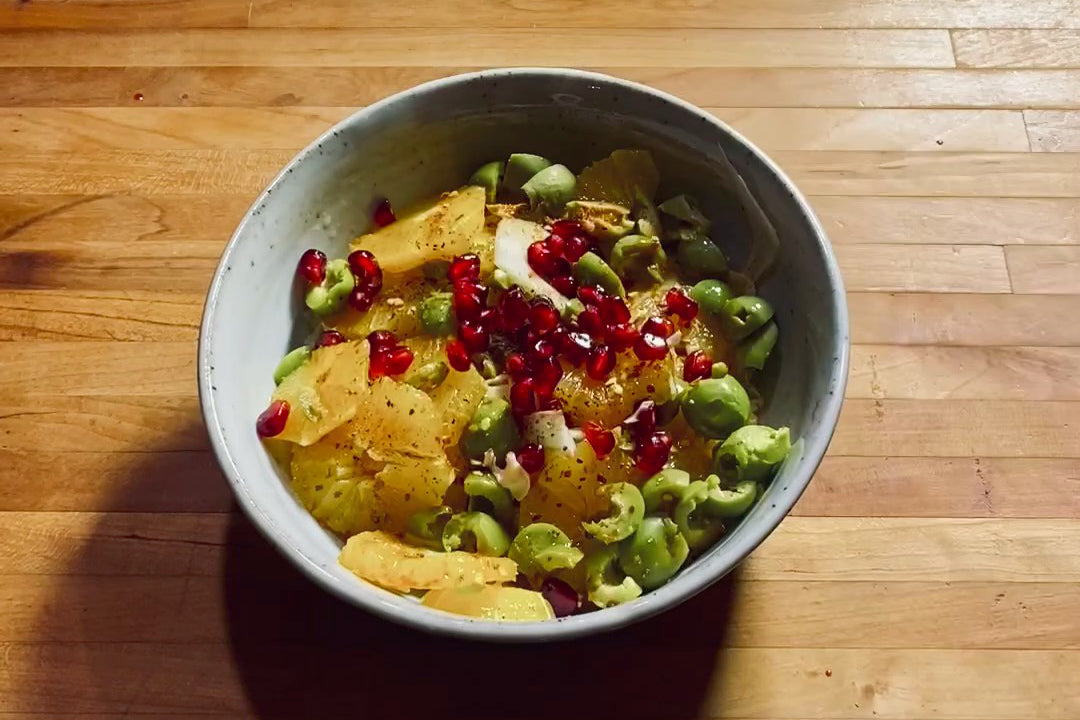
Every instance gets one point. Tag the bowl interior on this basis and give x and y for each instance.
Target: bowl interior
(416, 145)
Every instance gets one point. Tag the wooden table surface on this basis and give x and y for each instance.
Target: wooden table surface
(932, 570)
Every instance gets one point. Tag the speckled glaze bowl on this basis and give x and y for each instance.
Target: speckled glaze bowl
(429, 139)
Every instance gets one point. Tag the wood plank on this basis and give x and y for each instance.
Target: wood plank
(928, 372)
(56, 14)
(933, 174)
(682, 13)
(106, 369)
(79, 223)
(428, 46)
(1044, 270)
(924, 268)
(225, 171)
(802, 548)
(872, 129)
(117, 423)
(1017, 48)
(956, 428)
(1001, 320)
(1023, 616)
(956, 221)
(123, 316)
(943, 487)
(712, 87)
(182, 481)
(163, 128)
(1053, 130)
(758, 683)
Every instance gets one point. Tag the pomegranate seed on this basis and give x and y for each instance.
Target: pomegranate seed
(515, 365)
(540, 351)
(531, 458)
(650, 347)
(540, 258)
(590, 322)
(566, 285)
(613, 310)
(384, 214)
(543, 317)
(514, 309)
(522, 399)
(576, 246)
(653, 452)
(488, 319)
(464, 267)
(476, 338)
(622, 336)
(575, 346)
(567, 229)
(600, 363)
(365, 268)
(312, 266)
(468, 305)
(271, 421)
(361, 299)
(644, 419)
(659, 326)
(562, 598)
(602, 441)
(382, 340)
(590, 295)
(396, 360)
(329, 337)
(698, 365)
(548, 375)
(458, 355)
(681, 304)
(555, 244)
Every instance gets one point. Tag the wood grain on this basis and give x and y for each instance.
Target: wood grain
(138, 316)
(128, 14)
(432, 46)
(1043, 48)
(1044, 270)
(924, 268)
(1053, 130)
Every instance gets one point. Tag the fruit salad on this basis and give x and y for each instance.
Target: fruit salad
(532, 397)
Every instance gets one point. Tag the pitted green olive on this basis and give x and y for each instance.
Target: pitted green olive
(487, 495)
(602, 220)
(436, 314)
(699, 257)
(653, 554)
(711, 295)
(592, 270)
(627, 510)
(329, 295)
(551, 188)
(756, 349)
(716, 406)
(693, 515)
(729, 502)
(751, 453)
(425, 527)
(605, 581)
(291, 362)
(745, 314)
(541, 548)
(492, 427)
(520, 167)
(663, 490)
(638, 257)
(428, 376)
(487, 176)
(685, 208)
(475, 532)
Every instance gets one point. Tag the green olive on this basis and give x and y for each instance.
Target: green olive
(425, 527)
(492, 427)
(603, 220)
(329, 295)
(653, 554)
(541, 548)
(716, 406)
(436, 314)
(751, 453)
(475, 532)
(699, 257)
(627, 510)
(487, 176)
(291, 362)
(605, 581)
(428, 376)
(487, 495)
(685, 208)
(638, 257)
(745, 314)
(664, 490)
(756, 349)
(592, 270)
(572, 309)
(501, 279)
(551, 188)
(711, 295)
(729, 502)
(520, 167)
(485, 365)
(718, 370)
(698, 525)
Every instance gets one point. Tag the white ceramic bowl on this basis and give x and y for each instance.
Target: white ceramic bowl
(428, 139)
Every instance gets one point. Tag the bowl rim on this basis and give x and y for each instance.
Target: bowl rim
(682, 587)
